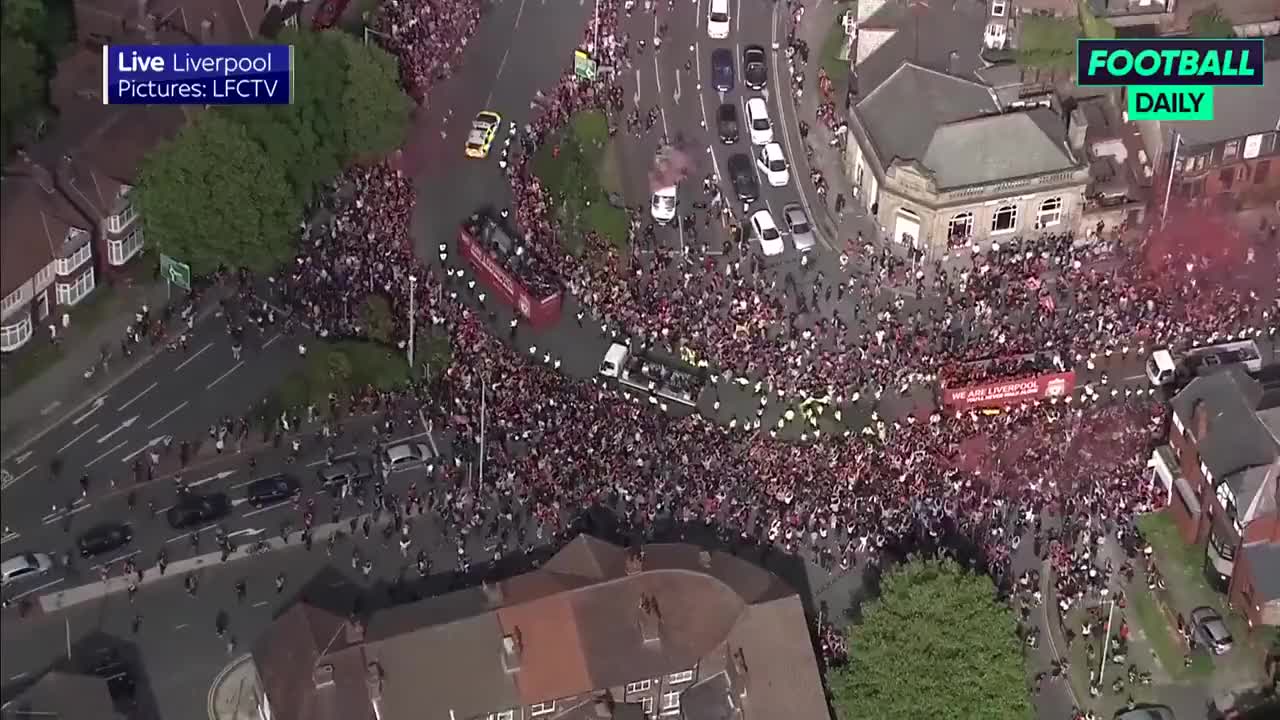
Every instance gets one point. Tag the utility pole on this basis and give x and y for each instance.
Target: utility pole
(413, 317)
(1106, 642)
(1168, 190)
(484, 391)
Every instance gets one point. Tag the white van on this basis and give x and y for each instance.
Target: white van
(718, 19)
(663, 205)
(758, 122)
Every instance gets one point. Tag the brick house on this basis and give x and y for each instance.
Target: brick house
(1221, 468)
(596, 633)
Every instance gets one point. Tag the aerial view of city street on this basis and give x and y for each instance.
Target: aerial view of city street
(640, 360)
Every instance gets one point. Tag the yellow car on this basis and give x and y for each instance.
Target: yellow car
(483, 129)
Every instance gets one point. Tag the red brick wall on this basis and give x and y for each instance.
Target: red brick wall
(1242, 588)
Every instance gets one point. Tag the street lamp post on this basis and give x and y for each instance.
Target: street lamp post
(413, 316)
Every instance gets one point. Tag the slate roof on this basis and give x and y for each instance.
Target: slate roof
(62, 696)
(34, 220)
(903, 114)
(998, 147)
(1264, 567)
(1238, 111)
(708, 699)
(579, 629)
(943, 36)
(1236, 438)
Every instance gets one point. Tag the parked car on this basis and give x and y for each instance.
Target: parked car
(773, 165)
(192, 509)
(727, 123)
(104, 538)
(743, 178)
(755, 67)
(24, 565)
(722, 72)
(272, 489)
(402, 454)
(766, 231)
(797, 222)
(1210, 630)
(334, 475)
(758, 122)
(1150, 712)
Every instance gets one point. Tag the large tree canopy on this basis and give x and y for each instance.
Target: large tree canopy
(210, 196)
(935, 644)
(375, 110)
(31, 34)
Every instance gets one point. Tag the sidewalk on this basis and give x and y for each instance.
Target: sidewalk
(60, 390)
(233, 693)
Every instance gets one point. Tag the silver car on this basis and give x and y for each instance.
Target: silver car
(402, 454)
(1210, 630)
(24, 565)
(799, 227)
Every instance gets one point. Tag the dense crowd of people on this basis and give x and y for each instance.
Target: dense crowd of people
(427, 37)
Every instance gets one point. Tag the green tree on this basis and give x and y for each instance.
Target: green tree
(339, 368)
(935, 644)
(1211, 23)
(23, 90)
(1094, 26)
(210, 196)
(375, 113)
(377, 318)
(1048, 42)
(304, 138)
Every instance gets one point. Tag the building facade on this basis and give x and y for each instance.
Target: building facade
(597, 633)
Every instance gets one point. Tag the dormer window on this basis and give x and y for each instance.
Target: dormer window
(997, 8)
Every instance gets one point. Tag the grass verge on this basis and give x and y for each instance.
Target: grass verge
(28, 363)
(574, 165)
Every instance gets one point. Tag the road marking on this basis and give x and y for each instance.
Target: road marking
(19, 676)
(138, 397)
(77, 438)
(150, 444)
(194, 355)
(166, 417)
(224, 375)
(50, 407)
(218, 476)
(179, 627)
(239, 501)
(493, 88)
(94, 407)
(35, 590)
(247, 531)
(270, 340)
(123, 426)
(1139, 376)
(697, 13)
(261, 603)
(114, 560)
(520, 14)
(62, 514)
(19, 459)
(268, 508)
(737, 24)
(635, 98)
(11, 479)
(9, 537)
(94, 461)
(201, 531)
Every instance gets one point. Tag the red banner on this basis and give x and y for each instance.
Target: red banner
(1008, 392)
(539, 312)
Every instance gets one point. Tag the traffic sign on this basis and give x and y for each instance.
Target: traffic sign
(583, 66)
(175, 273)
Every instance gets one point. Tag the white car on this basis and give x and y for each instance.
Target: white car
(766, 231)
(718, 19)
(758, 121)
(770, 161)
(24, 565)
(663, 205)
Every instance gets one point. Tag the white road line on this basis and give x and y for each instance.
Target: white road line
(50, 519)
(269, 508)
(494, 87)
(1139, 376)
(261, 603)
(697, 13)
(114, 560)
(167, 415)
(520, 13)
(179, 627)
(201, 531)
(37, 589)
(14, 479)
(194, 355)
(270, 340)
(94, 461)
(635, 98)
(75, 439)
(10, 537)
(737, 24)
(19, 676)
(239, 501)
(224, 375)
(138, 397)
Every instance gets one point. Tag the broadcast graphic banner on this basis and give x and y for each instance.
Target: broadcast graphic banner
(197, 74)
(1008, 392)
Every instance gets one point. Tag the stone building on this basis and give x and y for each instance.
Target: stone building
(935, 155)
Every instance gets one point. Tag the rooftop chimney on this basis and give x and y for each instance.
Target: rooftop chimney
(739, 662)
(322, 675)
(1200, 419)
(512, 647)
(650, 619)
(635, 562)
(354, 630)
(492, 593)
(1077, 128)
(704, 559)
(206, 31)
(604, 707)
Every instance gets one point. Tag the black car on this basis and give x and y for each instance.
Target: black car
(192, 509)
(755, 67)
(272, 489)
(104, 538)
(727, 123)
(743, 177)
(722, 70)
(350, 470)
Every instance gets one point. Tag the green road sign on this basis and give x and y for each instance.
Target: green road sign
(583, 66)
(175, 273)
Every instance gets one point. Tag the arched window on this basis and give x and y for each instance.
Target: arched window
(1004, 219)
(960, 228)
(1050, 213)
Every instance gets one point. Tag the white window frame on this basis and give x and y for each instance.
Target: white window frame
(1011, 207)
(122, 250)
(14, 299)
(998, 8)
(73, 292)
(1230, 150)
(646, 705)
(1050, 208)
(44, 278)
(123, 219)
(16, 335)
(677, 678)
(542, 708)
(670, 702)
(638, 686)
(966, 218)
(503, 715)
(82, 255)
